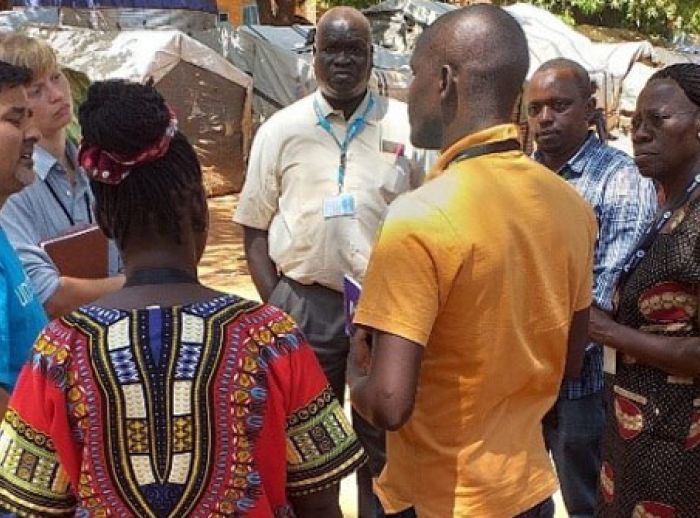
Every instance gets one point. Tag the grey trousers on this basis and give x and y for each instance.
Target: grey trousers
(318, 311)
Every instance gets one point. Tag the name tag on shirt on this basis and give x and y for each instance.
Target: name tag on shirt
(395, 148)
(339, 206)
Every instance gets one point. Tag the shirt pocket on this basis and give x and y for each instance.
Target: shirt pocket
(393, 175)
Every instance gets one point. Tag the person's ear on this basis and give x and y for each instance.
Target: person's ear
(591, 110)
(370, 62)
(447, 82)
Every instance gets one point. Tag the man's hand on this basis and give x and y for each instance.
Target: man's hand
(262, 270)
(383, 379)
(360, 356)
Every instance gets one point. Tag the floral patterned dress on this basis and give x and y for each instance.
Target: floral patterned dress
(651, 450)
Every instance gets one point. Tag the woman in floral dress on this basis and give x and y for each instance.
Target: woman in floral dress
(651, 451)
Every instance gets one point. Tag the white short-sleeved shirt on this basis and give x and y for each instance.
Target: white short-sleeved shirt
(294, 166)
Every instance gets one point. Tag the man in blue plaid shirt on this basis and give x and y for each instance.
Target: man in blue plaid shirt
(560, 106)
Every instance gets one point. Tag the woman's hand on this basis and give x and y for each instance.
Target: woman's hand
(599, 326)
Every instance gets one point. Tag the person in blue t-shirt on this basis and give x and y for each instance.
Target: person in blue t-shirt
(21, 314)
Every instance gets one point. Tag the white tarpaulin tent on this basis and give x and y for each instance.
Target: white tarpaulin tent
(398, 23)
(279, 60)
(210, 96)
(183, 15)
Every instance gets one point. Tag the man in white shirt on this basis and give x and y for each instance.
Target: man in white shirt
(322, 173)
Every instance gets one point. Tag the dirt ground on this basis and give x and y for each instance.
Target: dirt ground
(223, 266)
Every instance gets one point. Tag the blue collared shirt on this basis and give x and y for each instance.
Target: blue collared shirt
(624, 203)
(33, 215)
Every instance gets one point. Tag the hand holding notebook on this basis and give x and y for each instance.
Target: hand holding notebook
(81, 252)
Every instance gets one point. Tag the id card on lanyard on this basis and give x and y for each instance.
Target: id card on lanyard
(342, 204)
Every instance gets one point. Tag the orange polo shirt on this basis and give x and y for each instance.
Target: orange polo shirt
(485, 266)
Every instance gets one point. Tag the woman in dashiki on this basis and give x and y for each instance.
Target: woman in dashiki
(167, 398)
(651, 448)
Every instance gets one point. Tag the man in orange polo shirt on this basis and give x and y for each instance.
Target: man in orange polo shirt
(477, 291)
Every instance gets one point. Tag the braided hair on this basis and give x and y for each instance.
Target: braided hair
(12, 76)
(123, 117)
(686, 75)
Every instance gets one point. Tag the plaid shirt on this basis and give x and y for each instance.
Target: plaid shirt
(624, 203)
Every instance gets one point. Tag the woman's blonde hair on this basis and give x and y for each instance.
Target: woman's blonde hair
(23, 51)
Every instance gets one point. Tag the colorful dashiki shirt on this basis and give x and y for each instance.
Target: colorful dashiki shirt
(210, 409)
(651, 447)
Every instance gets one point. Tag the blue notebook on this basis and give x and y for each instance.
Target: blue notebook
(351, 297)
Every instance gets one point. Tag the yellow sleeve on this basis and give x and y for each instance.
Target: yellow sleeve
(585, 292)
(410, 272)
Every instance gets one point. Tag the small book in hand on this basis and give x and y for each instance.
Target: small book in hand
(351, 297)
(82, 252)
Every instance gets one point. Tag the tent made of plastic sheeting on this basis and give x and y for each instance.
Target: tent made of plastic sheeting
(183, 15)
(280, 61)
(396, 24)
(194, 5)
(665, 57)
(210, 96)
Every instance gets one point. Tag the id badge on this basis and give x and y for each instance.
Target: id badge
(339, 206)
(609, 360)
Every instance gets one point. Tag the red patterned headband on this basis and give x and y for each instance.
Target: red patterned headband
(112, 168)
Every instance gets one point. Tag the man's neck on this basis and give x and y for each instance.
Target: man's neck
(55, 145)
(460, 129)
(347, 106)
(555, 161)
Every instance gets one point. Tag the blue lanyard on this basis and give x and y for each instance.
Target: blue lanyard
(353, 131)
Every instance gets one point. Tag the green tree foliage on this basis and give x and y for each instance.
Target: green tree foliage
(662, 17)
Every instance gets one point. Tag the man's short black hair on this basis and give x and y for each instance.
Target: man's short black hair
(582, 78)
(11, 75)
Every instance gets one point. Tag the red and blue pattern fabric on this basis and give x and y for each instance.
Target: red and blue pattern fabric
(211, 409)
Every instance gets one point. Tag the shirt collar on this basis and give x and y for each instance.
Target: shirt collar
(327, 110)
(492, 134)
(575, 166)
(44, 161)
